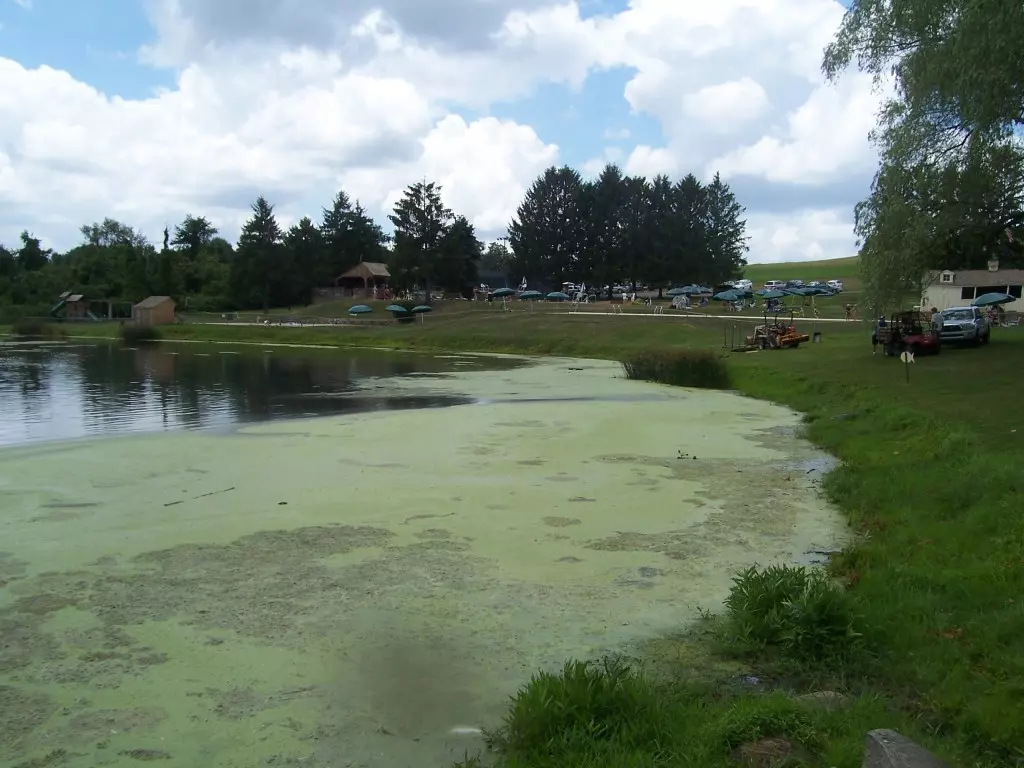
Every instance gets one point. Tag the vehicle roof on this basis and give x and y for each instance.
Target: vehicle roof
(952, 309)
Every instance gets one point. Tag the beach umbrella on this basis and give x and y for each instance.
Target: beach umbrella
(398, 309)
(991, 299)
(359, 309)
(772, 294)
(531, 295)
(503, 292)
(673, 292)
(421, 308)
(730, 295)
(558, 296)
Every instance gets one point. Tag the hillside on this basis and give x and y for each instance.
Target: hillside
(846, 269)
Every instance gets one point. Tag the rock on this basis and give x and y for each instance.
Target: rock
(831, 701)
(768, 753)
(888, 749)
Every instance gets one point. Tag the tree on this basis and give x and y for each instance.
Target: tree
(257, 263)
(305, 247)
(549, 230)
(421, 222)
(496, 258)
(31, 256)
(193, 234)
(459, 258)
(725, 233)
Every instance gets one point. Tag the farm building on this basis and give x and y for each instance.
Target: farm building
(156, 310)
(71, 306)
(958, 288)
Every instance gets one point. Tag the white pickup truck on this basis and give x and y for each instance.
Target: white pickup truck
(964, 325)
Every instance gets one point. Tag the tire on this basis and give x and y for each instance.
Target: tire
(985, 338)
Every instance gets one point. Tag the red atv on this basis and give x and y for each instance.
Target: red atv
(907, 332)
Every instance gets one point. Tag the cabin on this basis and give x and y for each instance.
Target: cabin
(156, 310)
(76, 306)
(958, 288)
(363, 278)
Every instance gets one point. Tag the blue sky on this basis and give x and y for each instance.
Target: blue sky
(798, 183)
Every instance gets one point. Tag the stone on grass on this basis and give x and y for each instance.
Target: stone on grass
(831, 701)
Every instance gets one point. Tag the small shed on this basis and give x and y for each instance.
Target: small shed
(156, 310)
(364, 277)
(76, 307)
(953, 288)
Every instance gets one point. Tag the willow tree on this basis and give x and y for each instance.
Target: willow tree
(950, 185)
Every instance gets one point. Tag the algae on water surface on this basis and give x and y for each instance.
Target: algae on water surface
(353, 588)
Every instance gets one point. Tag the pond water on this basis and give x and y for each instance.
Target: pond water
(187, 576)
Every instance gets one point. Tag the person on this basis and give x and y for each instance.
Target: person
(879, 323)
(937, 322)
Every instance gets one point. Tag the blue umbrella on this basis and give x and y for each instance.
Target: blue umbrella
(359, 309)
(772, 294)
(991, 299)
(558, 296)
(503, 292)
(398, 309)
(529, 295)
(421, 308)
(673, 292)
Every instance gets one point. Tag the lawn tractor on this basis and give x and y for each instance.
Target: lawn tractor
(777, 334)
(908, 332)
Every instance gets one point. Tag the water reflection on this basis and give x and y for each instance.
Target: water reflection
(52, 392)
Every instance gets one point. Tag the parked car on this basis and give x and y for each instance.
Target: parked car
(965, 325)
(795, 284)
(743, 285)
(835, 285)
(774, 285)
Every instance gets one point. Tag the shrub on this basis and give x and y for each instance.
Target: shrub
(797, 611)
(140, 334)
(589, 709)
(680, 367)
(32, 327)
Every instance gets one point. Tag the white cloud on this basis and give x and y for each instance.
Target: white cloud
(271, 99)
(807, 235)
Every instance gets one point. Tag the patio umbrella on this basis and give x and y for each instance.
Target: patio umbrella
(673, 292)
(558, 296)
(730, 295)
(359, 309)
(398, 309)
(421, 308)
(530, 295)
(772, 294)
(503, 292)
(991, 299)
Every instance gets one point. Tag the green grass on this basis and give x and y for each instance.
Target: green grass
(679, 367)
(139, 334)
(846, 269)
(930, 480)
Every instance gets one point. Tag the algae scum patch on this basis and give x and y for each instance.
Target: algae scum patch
(369, 589)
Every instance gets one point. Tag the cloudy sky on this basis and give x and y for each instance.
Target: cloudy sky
(150, 109)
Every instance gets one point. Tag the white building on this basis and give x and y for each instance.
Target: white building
(959, 288)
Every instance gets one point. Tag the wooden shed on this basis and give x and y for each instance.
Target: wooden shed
(76, 306)
(156, 310)
(364, 277)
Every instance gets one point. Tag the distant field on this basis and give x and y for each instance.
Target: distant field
(847, 270)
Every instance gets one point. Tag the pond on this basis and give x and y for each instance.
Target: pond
(188, 575)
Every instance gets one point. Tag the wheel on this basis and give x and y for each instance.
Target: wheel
(985, 338)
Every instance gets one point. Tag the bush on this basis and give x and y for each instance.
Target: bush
(591, 710)
(32, 327)
(680, 367)
(797, 611)
(140, 334)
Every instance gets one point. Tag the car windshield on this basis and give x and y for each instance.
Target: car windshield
(958, 314)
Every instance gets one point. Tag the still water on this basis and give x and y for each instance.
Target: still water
(66, 391)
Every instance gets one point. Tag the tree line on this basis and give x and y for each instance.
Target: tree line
(616, 228)
(949, 190)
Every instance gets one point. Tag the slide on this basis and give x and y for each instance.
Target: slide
(57, 308)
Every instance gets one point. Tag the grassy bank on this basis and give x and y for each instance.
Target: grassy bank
(930, 479)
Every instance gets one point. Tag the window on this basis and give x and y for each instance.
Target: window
(967, 293)
(983, 289)
(1014, 290)
(946, 277)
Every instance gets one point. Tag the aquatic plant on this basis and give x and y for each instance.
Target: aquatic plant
(798, 611)
(33, 327)
(139, 334)
(679, 367)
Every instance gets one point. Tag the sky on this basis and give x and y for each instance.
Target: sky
(148, 110)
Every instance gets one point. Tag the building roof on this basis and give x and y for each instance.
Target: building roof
(366, 269)
(152, 301)
(968, 278)
(75, 297)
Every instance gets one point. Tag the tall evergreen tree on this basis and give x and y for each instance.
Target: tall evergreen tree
(257, 264)
(421, 222)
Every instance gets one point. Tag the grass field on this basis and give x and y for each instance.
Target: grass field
(930, 480)
(847, 270)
